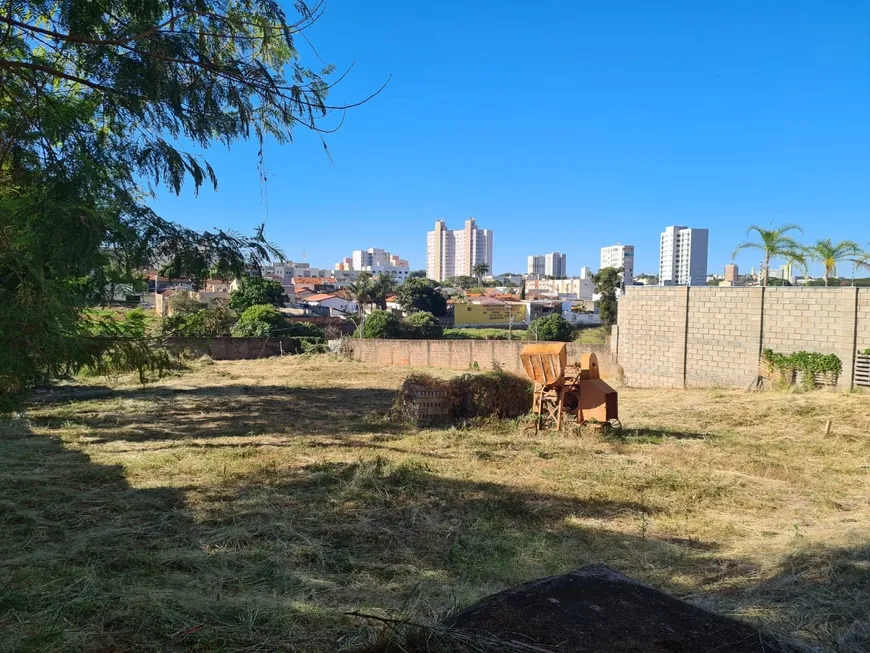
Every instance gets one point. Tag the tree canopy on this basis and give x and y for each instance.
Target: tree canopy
(96, 98)
(257, 290)
(607, 282)
(418, 294)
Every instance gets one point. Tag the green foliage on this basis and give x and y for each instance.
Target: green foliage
(382, 287)
(551, 327)
(254, 291)
(183, 303)
(421, 295)
(774, 243)
(607, 282)
(422, 325)
(829, 254)
(95, 99)
(259, 321)
(480, 270)
(417, 274)
(777, 282)
(383, 324)
(866, 352)
(214, 322)
(463, 281)
(125, 345)
(808, 363)
(302, 329)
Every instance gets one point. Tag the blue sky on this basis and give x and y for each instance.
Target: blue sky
(568, 125)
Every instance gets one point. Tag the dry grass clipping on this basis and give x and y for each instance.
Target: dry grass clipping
(249, 505)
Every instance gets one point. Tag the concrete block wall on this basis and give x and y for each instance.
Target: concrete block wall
(863, 335)
(652, 336)
(812, 319)
(723, 337)
(233, 348)
(464, 355)
(703, 336)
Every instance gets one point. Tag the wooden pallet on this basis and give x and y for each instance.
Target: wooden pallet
(862, 371)
(426, 406)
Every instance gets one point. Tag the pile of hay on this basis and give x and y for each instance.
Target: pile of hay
(425, 399)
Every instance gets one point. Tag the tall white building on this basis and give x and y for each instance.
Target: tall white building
(453, 253)
(553, 264)
(619, 256)
(585, 272)
(376, 261)
(536, 265)
(556, 265)
(683, 256)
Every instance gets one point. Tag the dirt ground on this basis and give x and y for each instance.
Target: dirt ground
(250, 505)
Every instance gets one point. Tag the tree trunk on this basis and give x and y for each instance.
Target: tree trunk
(765, 274)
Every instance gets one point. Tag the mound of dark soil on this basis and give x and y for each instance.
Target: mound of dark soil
(592, 610)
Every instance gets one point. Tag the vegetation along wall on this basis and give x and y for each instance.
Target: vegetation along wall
(675, 337)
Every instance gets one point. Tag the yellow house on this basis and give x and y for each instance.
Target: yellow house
(488, 314)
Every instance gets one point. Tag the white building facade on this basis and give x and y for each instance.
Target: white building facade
(683, 256)
(453, 253)
(556, 265)
(619, 256)
(375, 261)
(553, 264)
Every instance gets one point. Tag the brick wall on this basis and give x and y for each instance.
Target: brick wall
(233, 348)
(723, 336)
(706, 336)
(464, 354)
(652, 334)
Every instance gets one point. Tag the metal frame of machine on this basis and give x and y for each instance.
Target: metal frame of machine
(562, 389)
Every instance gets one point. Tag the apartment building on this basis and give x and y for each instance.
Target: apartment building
(376, 261)
(683, 256)
(554, 264)
(452, 253)
(619, 256)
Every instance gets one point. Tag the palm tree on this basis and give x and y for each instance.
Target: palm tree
(774, 243)
(382, 287)
(829, 254)
(362, 291)
(480, 270)
(861, 261)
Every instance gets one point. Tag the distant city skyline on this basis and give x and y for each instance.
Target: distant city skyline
(718, 115)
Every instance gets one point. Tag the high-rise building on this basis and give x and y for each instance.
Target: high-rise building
(536, 265)
(731, 273)
(683, 256)
(376, 261)
(585, 272)
(556, 265)
(453, 253)
(619, 256)
(553, 264)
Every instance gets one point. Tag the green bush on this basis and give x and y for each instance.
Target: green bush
(806, 362)
(259, 321)
(204, 323)
(303, 329)
(255, 291)
(552, 327)
(383, 324)
(422, 325)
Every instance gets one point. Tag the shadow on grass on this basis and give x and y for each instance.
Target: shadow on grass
(272, 562)
(226, 411)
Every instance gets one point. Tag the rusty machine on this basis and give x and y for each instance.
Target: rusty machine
(561, 389)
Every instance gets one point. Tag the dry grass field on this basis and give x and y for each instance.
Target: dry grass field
(247, 506)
